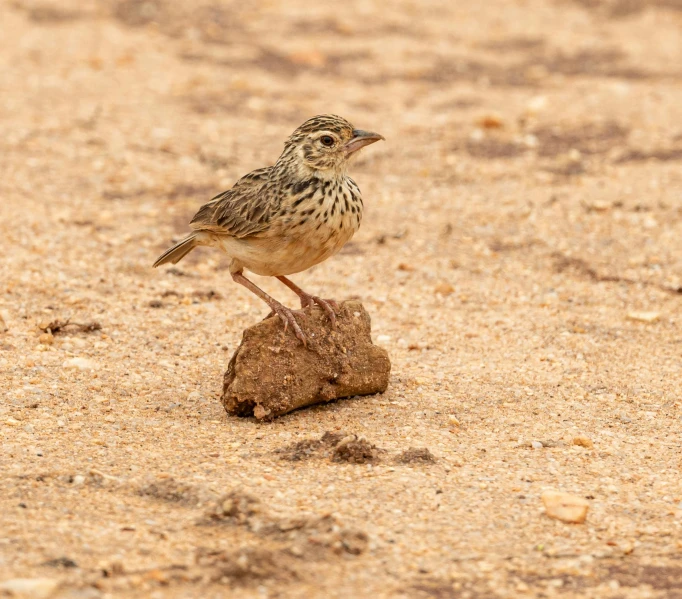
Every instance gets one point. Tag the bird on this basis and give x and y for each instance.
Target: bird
(285, 218)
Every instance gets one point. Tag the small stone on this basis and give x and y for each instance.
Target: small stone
(565, 507)
(490, 121)
(583, 441)
(536, 445)
(644, 316)
(46, 339)
(574, 155)
(309, 58)
(79, 479)
(599, 205)
(33, 588)
(12, 421)
(536, 104)
(452, 419)
(444, 289)
(79, 364)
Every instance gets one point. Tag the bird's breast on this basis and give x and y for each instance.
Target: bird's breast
(309, 229)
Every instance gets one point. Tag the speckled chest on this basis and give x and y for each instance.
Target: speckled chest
(324, 212)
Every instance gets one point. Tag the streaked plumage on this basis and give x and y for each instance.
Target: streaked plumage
(285, 218)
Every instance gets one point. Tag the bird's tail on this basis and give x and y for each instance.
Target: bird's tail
(178, 251)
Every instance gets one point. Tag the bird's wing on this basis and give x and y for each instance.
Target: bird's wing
(244, 209)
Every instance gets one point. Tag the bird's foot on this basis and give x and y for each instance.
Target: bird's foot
(287, 317)
(328, 305)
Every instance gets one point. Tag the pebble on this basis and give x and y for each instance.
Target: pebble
(536, 104)
(644, 316)
(46, 339)
(565, 507)
(490, 121)
(444, 289)
(536, 445)
(35, 588)
(80, 363)
(583, 441)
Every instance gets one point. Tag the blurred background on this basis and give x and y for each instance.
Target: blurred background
(498, 115)
(520, 256)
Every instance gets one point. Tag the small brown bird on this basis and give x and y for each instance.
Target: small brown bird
(285, 218)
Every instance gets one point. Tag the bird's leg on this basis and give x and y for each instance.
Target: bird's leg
(329, 306)
(282, 311)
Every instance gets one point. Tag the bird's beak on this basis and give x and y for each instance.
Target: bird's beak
(361, 139)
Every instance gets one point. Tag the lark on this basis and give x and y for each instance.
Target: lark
(283, 219)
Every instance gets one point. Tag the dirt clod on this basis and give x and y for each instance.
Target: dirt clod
(308, 448)
(60, 326)
(416, 455)
(355, 451)
(273, 373)
(61, 562)
(169, 489)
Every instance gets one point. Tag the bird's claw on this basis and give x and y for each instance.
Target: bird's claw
(287, 317)
(328, 306)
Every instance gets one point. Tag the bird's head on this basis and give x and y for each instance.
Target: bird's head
(326, 143)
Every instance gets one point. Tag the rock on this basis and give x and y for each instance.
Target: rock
(444, 289)
(33, 588)
(565, 507)
(79, 363)
(273, 373)
(46, 339)
(644, 316)
(490, 121)
(583, 441)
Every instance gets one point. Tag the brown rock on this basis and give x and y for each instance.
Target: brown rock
(565, 507)
(583, 441)
(273, 373)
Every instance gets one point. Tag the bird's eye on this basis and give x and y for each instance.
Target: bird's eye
(327, 140)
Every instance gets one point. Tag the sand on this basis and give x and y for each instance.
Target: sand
(520, 257)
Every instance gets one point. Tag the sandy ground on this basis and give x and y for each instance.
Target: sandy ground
(521, 257)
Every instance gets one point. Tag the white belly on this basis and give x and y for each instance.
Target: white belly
(284, 255)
